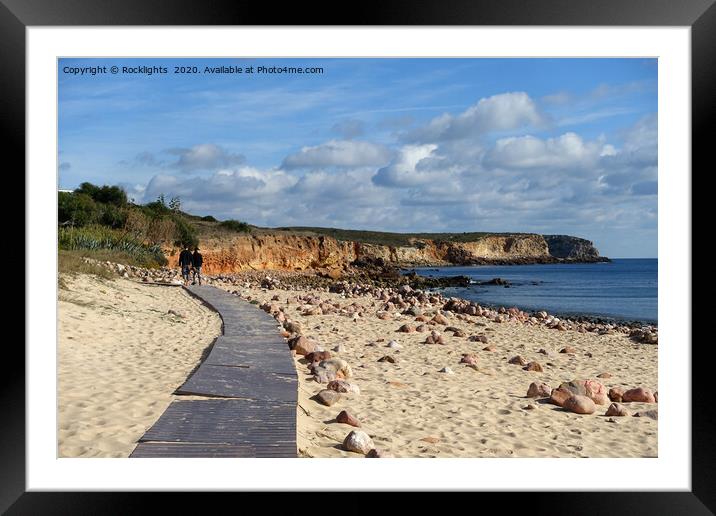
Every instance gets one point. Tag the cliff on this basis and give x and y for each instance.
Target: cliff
(284, 251)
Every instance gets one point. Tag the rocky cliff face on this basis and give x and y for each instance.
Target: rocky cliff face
(571, 248)
(328, 255)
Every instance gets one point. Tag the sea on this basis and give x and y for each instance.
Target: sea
(620, 290)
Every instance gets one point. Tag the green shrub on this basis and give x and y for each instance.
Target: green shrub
(77, 209)
(113, 195)
(98, 238)
(185, 233)
(208, 218)
(236, 225)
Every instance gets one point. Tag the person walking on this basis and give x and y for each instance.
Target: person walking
(198, 261)
(185, 262)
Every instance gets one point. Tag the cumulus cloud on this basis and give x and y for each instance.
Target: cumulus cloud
(506, 111)
(206, 156)
(565, 151)
(405, 170)
(339, 153)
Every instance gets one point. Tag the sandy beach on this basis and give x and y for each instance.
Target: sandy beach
(121, 355)
(410, 409)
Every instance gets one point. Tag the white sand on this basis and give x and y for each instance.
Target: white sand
(471, 413)
(120, 358)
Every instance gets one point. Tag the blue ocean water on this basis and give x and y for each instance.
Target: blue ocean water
(624, 289)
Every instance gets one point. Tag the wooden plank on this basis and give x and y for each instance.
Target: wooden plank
(201, 450)
(239, 382)
(225, 422)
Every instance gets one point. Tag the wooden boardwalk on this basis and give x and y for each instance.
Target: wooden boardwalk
(250, 388)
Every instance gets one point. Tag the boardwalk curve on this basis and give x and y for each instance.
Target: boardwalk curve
(250, 388)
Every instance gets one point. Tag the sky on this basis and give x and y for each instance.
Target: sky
(550, 146)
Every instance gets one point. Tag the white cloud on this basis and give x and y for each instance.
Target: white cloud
(565, 151)
(206, 156)
(503, 112)
(339, 153)
(404, 170)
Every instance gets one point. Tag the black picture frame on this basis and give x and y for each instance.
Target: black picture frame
(700, 15)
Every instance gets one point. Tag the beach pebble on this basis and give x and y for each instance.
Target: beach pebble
(446, 370)
(617, 409)
(489, 348)
(341, 367)
(301, 345)
(340, 348)
(327, 397)
(580, 405)
(478, 338)
(517, 360)
(543, 351)
(323, 375)
(393, 345)
(406, 328)
(359, 442)
(616, 393)
(568, 349)
(639, 394)
(377, 453)
(343, 386)
(317, 356)
(533, 366)
(440, 319)
(604, 375)
(347, 418)
(529, 407)
(539, 390)
(293, 327)
(468, 358)
(656, 396)
(387, 358)
(176, 314)
(652, 414)
(430, 439)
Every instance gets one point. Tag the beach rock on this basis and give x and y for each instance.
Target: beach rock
(596, 391)
(393, 345)
(406, 328)
(604, 375)
(616, 393)
(440, 319)
(617, 409)
(539, 390)
(339, 366)
(533, 366)
(639, 394)
(478, 338)
(343, 386)
(468, 358)
(568, 349)
(347, 418)
(491, 348)
(318, 356)
(559, 396)
(293, 327)
(652, 414)
(323, 375)
(421, 328)
(580, 405)
(377, 453)
(384, 316)
(387, 358)
(301, 345)
(446, 370)
(327, 397)
(459, 333)
(576, 387)
(359, 442)
(517, 360)
(340, 348)
(529, 407)
(543, 351)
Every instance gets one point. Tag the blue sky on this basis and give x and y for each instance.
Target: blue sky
(554, 146)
